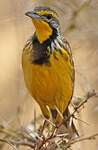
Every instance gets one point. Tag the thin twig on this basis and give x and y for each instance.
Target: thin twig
(73, 141)
(80, 120)
(92, 137)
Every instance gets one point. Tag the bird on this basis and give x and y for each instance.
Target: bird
(48, 65)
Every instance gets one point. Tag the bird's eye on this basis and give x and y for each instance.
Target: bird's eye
(49, 16)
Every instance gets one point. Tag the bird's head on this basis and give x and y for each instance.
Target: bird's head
(45, 21)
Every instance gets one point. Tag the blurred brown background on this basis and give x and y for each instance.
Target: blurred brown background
(79, 23)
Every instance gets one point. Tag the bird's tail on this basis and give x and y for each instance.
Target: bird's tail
(68, 126)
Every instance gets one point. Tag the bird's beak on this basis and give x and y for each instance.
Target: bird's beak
(32, 15)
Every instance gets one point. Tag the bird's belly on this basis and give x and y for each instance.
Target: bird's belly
(48, 84)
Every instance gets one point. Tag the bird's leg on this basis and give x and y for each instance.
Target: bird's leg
(54, 129)
(43, 127)
(59, 117)
(46, 115)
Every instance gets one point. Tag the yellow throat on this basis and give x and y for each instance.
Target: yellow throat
(43, 30)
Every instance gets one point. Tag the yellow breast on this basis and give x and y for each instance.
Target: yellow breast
(52, 84)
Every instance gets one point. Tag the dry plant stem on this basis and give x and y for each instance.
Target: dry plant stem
(68, 145)
(73, 141)
(92, 137)
(47, 139)
(81, 120)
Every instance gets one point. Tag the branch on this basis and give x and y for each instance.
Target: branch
(73, 141)
(92, 137)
